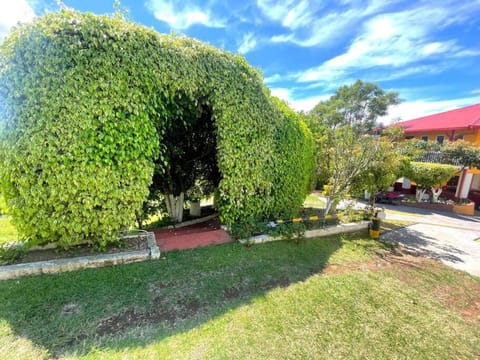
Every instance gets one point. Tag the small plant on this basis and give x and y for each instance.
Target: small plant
(463, 201)
(9, 254)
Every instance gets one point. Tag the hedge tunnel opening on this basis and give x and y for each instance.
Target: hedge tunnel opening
(189, 152)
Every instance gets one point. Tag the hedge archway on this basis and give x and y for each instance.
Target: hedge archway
(85, 103)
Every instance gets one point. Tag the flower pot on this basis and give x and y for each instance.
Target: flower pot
(467, 209)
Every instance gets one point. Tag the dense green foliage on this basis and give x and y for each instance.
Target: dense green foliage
(358, 105)
(430, 175)
(346, 158)
(294, 164)
(87, 102)
(463, 152)
(77, 142)
(3, 206)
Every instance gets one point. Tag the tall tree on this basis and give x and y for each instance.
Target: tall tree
(358, 105)
(342, 153)
(349, 156)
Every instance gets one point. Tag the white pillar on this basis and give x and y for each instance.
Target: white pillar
(464, 184)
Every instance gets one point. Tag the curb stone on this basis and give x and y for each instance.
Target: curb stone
(85, 262)
(327, 231)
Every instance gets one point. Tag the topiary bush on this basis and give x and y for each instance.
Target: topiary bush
(77, 136)
(294, 162)
(85, 102)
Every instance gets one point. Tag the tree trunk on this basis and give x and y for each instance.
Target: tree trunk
(419, 194)
(138, 218)
(175, 206)
(436, 194)
(331, 206)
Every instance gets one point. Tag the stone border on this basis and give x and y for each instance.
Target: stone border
(85, 262)
(327, 231)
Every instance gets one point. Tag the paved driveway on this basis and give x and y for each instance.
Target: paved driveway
(449, 238)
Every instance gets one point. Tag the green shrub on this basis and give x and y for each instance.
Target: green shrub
(77, 140)
(3, 206)
(86, 101)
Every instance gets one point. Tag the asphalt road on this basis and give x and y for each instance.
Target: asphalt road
(447, 237)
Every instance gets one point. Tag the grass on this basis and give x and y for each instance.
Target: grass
(406, 213)
(314, 201)
(331, 297)
(8, 233)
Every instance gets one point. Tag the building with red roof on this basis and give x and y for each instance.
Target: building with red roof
(452, 125)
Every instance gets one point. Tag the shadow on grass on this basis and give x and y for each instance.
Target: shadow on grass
(97, 308)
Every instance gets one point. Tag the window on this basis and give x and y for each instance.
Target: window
(440, 139)
(459, 137)
(425, 137)
(409, 137)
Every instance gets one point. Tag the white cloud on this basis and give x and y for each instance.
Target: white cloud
(396, 40)
(311, 24)
(183, 17)
(298, 16)
(275, 10)
(248, 43)
(298, 104)
(281, 93)
(272, 79)
(13, 12)
(418, 108)
(307, 104)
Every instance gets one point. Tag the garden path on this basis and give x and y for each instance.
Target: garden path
(190, 237)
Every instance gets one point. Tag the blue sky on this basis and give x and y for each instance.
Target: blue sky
(427, 51)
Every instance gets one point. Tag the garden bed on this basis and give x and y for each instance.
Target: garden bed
(46, 261)
(132, 243)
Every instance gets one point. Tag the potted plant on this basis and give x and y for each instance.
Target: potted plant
(464, 207)
(194, 195)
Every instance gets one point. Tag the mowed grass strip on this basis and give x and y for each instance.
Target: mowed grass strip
(338, 297)
(314, 201)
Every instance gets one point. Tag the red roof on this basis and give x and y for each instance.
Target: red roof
(458, 119)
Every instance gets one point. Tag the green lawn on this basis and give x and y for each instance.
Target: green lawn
(314, 201)
(8, 233)
(332, 297)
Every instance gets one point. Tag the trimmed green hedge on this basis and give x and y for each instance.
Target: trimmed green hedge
(85, 100)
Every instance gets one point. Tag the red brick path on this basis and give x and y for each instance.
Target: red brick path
(192, 236)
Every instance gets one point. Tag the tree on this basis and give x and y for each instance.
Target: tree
(345, 157)
(358, 105)
(387, 165)
(430, 176)
(349, 157)
(190, 152)
(463, 152)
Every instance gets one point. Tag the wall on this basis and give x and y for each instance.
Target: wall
(472, 136)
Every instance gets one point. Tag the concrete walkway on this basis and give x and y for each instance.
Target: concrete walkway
(447, 237)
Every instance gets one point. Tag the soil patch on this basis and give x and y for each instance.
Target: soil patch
(128, 244)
